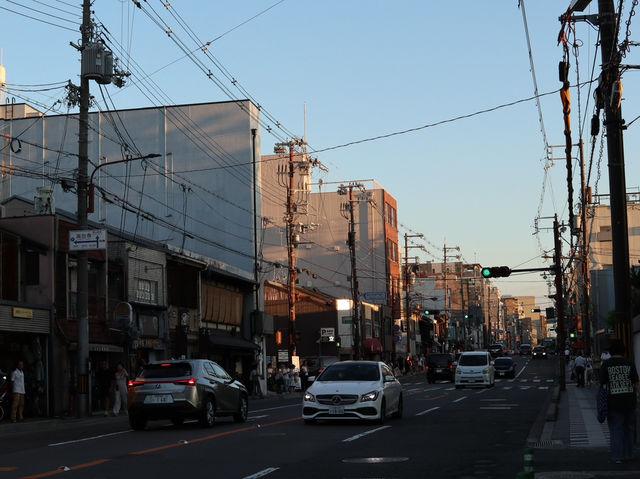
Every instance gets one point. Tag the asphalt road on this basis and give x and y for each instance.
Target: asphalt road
(444, 433)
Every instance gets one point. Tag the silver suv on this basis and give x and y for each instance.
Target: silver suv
(179, 389)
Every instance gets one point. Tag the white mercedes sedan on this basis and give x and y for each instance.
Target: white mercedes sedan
(353, 390)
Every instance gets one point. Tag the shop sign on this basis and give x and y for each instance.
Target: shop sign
(283, 355)
(23, 313)
(152, 343)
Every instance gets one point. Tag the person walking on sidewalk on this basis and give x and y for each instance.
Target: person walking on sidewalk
(619, 374)
(578, 366)
(17, 389)
(121, 378)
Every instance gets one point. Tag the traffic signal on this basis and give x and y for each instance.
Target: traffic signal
(337, 341)
(425, 313)
(496, 272)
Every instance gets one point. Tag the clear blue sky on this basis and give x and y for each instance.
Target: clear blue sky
(366, 69)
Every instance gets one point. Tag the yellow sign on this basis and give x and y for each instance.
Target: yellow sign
(23, 313)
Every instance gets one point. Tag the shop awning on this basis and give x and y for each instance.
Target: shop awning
(226, 341)
(373, 345)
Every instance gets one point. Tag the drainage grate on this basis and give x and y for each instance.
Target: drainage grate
(547, 444)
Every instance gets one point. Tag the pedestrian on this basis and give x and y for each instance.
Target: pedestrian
(567, 354)
(286, 373)
(579, 366)
(254, 379)
(588, 371)
(121, 378)
(17, 389)
(304, 375)
(105, 381)
(620, 376)
(296, 384)
(605, 355)
(279, 380)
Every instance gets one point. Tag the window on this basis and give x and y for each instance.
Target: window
(391, 215)
(392, 251)
(147, 291)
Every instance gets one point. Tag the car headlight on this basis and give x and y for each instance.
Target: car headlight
(458, 371)
(371, 396)
(485, 371)
(309, 397)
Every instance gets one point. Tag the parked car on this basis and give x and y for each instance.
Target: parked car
(525, 350)
(505, 367)
(496, 350)
(353, 390)
(317, 364)
(475, 368)
(539, 352)
(179, 389)
(439, 366)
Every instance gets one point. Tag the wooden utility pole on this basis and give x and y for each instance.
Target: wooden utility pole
(82, 387)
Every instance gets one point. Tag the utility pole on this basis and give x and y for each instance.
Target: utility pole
(559, 296)
(82, 388)
(446, 292)
(407, 276)
(586, 273)
(348, 212)
(612, 89)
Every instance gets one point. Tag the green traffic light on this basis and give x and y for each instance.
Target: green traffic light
(486, 272)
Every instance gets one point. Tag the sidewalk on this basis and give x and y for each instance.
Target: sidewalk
(576, 445)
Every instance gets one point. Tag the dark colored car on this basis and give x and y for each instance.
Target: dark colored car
(539, 352)
(439, 366)
(505, 367)
(317, 364)
(179, 389)
(525, 350)
(496, 350)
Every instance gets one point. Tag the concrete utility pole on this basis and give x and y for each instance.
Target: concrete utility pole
(612, 90)
(407, 275)
(559, 296)
(348, 212)
(446, 289)
(82, 388)
(586, 273)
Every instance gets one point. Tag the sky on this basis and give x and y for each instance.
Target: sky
(473, 171)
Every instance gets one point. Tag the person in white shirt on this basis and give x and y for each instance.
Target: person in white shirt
(578, 367)
(17, 406)
(605, 355)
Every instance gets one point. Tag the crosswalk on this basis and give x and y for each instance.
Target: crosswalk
(506, 384)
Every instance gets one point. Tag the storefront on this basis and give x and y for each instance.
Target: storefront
(24, 335)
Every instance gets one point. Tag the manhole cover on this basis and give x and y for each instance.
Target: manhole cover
(374, 460)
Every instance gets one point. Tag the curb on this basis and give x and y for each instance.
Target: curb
(552, 408)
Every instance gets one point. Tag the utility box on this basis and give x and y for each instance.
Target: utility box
(97, 63)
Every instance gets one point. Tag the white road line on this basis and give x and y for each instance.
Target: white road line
(524, 388)
(460, 399)
(427, 411)
(414, 389)
(358, 436)
(543, 387)
(537, 380)
(253, 418)
(492, 399)
(482, 391)
(508, 387)
(278, 407)
(450, 389)
(496, 408)
(262, 473)
(89, 438)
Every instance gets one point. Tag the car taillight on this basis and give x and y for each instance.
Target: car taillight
(450, 366)
(187, 382)
(133, 383)
(426, 368)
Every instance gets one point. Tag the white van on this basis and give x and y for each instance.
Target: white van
(475, 368)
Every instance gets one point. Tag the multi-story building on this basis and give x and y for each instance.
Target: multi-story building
(177, 274)
(322, 253)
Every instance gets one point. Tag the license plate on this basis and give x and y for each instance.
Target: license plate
(501, 373)
(159, 399)
(336, 410)
(438, 370)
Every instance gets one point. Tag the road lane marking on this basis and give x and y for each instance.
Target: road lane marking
(460, 399)
(414, 389)
(482, 391)
(450, 389)
(212, 436)
(278, 407)
(493, 399)
(88, 438)
(262, 473)
(253, 418)
(7, 468)
(496, 408)
(70, 468)
(508, 387)
(427, 411)
(358, 436)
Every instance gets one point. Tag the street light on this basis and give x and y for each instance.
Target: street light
(90, 208)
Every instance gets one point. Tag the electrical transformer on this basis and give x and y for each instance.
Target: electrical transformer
(97, 63)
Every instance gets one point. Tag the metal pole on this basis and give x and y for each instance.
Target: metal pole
(82, 314)
(617, 183)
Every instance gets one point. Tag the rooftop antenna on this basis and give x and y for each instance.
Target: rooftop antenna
(305, 122)
(3, 74)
